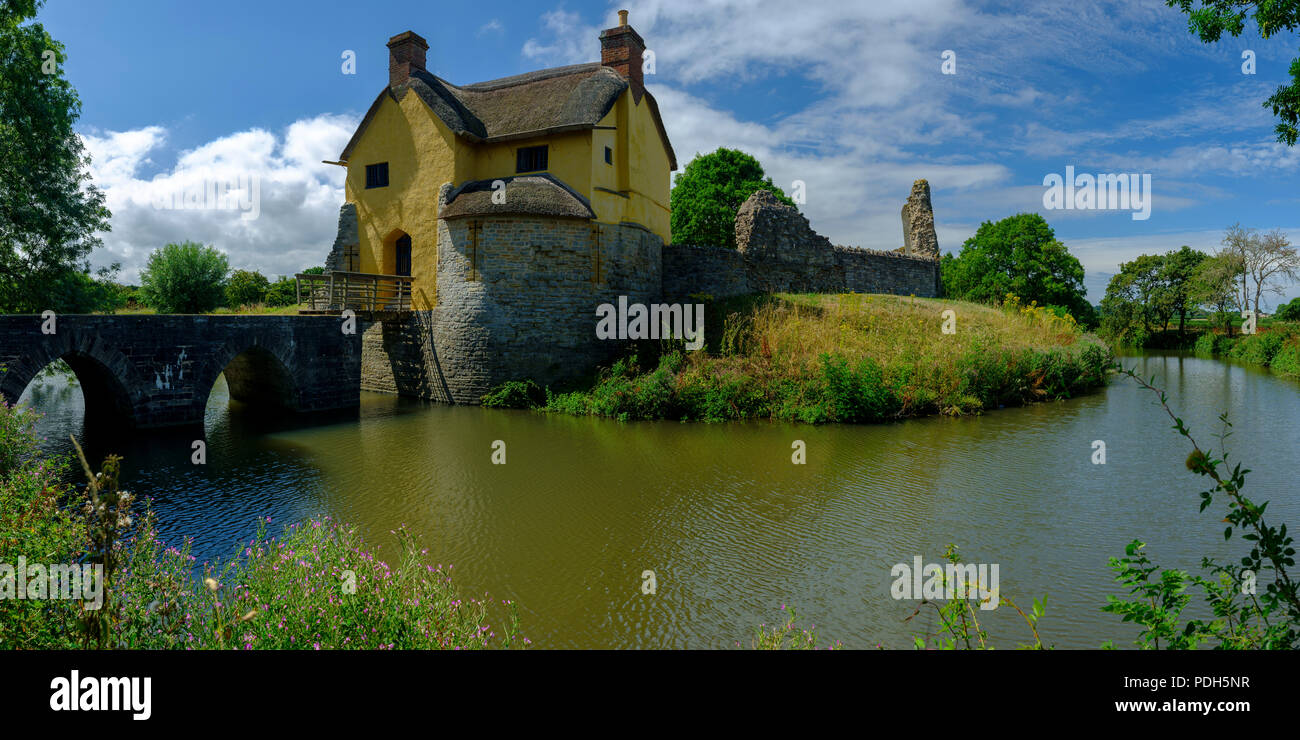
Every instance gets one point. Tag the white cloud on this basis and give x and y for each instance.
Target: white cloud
(295, 216)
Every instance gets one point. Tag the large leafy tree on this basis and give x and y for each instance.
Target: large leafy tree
(184, 278)
(1209, 19)
(1214, 285)
(49, 212)
(710, 191)
(1176, 275)
(1019, 255)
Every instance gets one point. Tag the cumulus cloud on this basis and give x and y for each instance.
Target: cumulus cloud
(264, 198)
(1031, 95)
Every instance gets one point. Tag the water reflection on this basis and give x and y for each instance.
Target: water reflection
(731, 528)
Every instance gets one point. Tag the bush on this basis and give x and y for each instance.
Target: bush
(184, 278)
(514, 394)
(283, 292)
(1288, 311)
(246, 288)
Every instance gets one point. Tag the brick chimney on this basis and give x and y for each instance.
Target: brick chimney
(621, 49)
(405, 53)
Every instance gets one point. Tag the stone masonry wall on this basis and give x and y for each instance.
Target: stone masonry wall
(778, 251)
(517, 298)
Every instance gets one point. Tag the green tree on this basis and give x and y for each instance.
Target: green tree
(184, 278)
(283, 292)
(1019, 255)
(1176, 274)
(49, 212)
(246, 288)
(708, 193)
(1288, 311)
(1214, 285)
(1212, 17)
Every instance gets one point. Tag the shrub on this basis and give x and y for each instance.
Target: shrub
(246, 288)
(283, 292)
(184, 278)
(514, 394)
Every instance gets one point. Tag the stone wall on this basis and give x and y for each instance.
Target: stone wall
(347, 241)
(777, 251)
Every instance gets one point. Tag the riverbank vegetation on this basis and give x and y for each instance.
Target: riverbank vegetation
(1178, 299)
(841, 358)
(316, 586)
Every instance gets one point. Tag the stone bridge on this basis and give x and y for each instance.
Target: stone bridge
(155, 371)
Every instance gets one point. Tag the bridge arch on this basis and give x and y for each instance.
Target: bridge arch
(259, 369)
(109, 381)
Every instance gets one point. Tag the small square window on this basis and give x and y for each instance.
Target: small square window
(377, 175)
(530, 159)
(609, 156)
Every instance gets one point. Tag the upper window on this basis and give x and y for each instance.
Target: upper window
(609, 156)
(530, 159)
(377, 175)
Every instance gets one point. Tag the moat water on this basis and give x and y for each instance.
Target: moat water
(731, 528)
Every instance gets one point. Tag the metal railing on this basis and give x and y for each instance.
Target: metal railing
(359, 291)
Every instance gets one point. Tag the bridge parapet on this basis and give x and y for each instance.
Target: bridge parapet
(158, 370)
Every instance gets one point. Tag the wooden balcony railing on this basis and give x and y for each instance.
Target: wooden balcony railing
(359, 291)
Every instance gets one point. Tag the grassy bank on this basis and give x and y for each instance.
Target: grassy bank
(316, 586)
(840, 358)
(1276, 347)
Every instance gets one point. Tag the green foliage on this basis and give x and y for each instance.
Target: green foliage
(1147, 293)
(1018, 255)
(1277, 348)
(49, 211)
(707, 195)
(1288, 311)
(749, 380)
(38, 523)
(1159, 604)
(184, 278)
(515, 394)
(283, 292)
(246, 288)
(1211, 18)
(959, 627)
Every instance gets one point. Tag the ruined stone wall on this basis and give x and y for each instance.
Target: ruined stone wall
(777, 251)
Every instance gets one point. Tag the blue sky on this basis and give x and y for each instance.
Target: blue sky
(848, 97)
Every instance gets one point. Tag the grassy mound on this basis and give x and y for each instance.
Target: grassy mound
(842, 358)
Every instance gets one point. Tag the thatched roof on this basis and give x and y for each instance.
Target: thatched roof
(547, 101)
(530, 195)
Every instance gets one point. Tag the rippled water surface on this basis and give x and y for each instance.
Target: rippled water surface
(730, 527)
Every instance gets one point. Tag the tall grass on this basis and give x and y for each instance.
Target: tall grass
(844, 358)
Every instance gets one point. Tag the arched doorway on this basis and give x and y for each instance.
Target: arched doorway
(402, 256)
